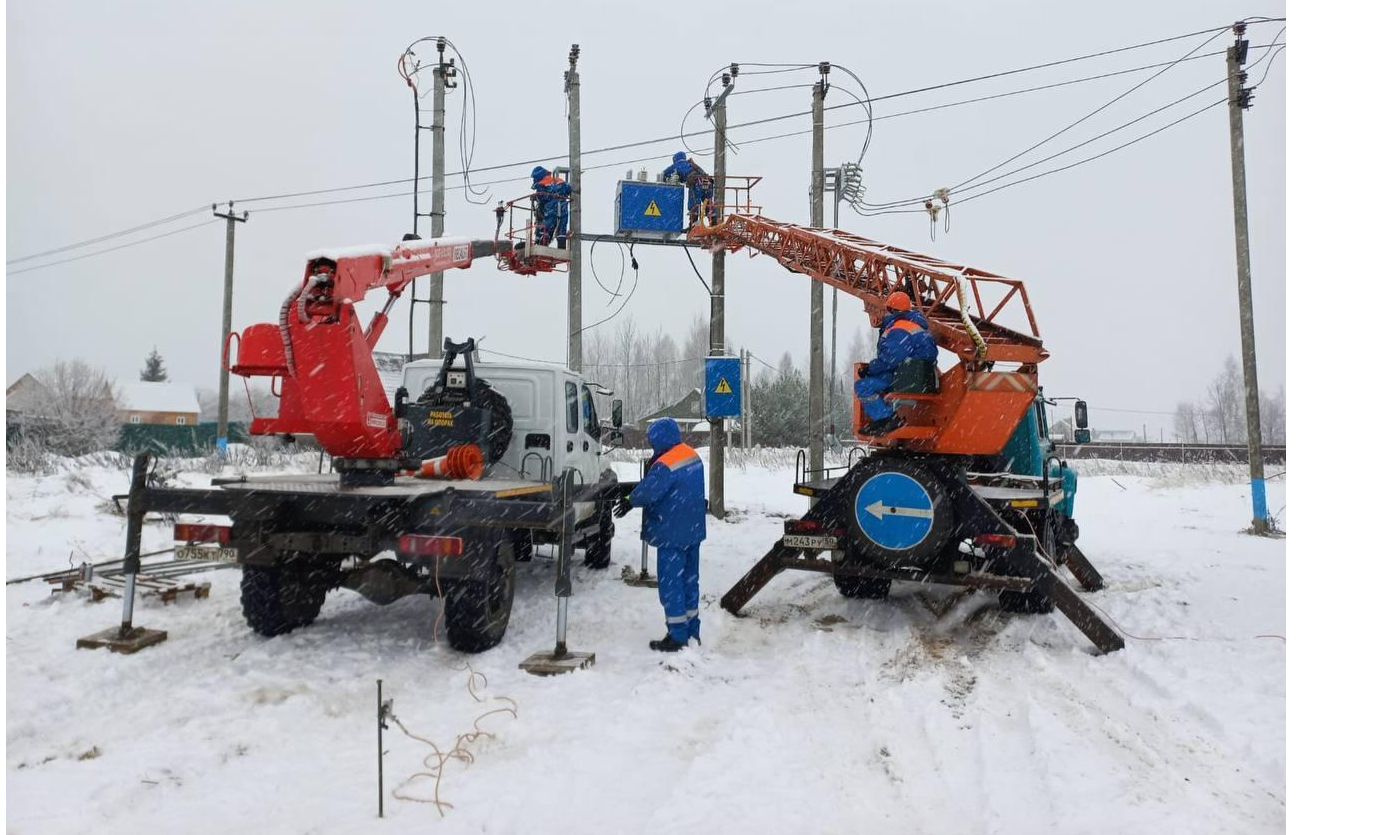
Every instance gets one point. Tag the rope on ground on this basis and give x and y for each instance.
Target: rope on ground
(434, 763)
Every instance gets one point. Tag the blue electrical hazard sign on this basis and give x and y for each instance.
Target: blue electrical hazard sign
(894, 511)
(722, 387)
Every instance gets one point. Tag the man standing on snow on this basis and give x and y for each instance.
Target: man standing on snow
(672, 496)
(904, 334)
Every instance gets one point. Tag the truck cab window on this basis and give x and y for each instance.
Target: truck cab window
(592, 419)
(573, 409)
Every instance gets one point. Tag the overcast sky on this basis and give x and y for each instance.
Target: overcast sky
(119, 114)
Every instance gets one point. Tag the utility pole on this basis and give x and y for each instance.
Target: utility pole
(746, 420)
(833, 182)
(816, 403)
(573, 275)
(717, 302)
(1239, 99)
(223, 401)
(441, 82)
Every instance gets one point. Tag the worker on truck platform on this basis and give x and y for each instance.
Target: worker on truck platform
(551, 207)
(672, 496)
(700, 186)
(904, 334)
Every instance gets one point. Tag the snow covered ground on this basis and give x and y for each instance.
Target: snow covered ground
(811, 714)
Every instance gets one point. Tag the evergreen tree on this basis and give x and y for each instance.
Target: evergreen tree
(154, 372)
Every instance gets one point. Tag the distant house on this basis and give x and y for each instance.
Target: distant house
(25, 395)
(161, 404)
(689, 415)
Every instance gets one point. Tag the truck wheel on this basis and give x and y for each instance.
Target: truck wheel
(600, 544)
(476, 608)
(1025, 603)
(859, 588)
(276, 600)
(862, 588)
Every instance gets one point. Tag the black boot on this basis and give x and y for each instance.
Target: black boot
(667, 644)
(883, 426)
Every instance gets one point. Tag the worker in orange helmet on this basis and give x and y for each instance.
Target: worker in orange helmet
(904, 334)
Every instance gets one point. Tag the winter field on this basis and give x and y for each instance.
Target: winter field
(810, 714)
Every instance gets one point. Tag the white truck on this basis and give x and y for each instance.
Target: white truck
(297, 537)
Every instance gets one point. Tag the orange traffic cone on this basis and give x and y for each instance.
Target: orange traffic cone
(463, 461)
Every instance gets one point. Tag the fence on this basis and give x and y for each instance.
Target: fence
(1173, 453)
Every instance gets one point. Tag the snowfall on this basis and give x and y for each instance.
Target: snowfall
(809, 714)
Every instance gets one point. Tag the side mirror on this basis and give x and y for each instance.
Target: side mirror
(616, 414)
(1081, 415)
(1081, 436)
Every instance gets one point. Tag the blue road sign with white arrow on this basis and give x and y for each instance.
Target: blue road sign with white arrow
(894, 510)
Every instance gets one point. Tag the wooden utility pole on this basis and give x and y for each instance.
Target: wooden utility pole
(223, 399)
(1240, 99)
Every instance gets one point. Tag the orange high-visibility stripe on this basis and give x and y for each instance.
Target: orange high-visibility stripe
(676, 457)
(907, 325)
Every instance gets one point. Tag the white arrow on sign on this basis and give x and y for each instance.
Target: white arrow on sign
(879, 510)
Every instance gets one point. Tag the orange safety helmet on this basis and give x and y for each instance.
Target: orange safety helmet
(898, 300)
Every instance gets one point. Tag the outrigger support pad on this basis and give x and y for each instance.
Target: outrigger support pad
(560, 659)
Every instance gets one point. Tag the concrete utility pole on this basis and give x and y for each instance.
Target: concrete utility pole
(746, 419)
(816, 404)
(1239, 99)
(717, 306)
(573, 275)
(441, 82)
(223, 401)
(837, 192)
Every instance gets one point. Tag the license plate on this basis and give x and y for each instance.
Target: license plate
(206, 553)
(819, 543)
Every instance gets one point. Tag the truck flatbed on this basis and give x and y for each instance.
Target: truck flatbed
(403, 486)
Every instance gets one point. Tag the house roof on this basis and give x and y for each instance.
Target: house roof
(688, 408)
(24, 394)
(139, 396)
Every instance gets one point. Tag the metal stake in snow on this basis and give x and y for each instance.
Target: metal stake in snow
(560, 659)
(127, 638)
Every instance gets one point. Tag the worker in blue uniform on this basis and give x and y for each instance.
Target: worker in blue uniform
(700, 186)
(904, 334)
(551, 207)
(672, 496)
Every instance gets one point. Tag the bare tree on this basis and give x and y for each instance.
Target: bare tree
(1187, 423)
(242, 407)
(1274, 417)
(76, 411)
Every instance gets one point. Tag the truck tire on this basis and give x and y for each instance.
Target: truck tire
(921, 478)
(1025, 603)
(600, 543)
(500, 419)
(523, 546)
(276, 600)
(860, 588)
(476, 608)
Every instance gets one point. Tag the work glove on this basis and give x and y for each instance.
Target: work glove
(622, 508)
(863, 372)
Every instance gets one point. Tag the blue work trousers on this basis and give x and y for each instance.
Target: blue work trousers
(870, 391)
(679, 590)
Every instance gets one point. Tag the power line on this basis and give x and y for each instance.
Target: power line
(468, 170)
(113, 248)
(1096, 111)
(131, 230)
(766, 120)
(1147, 135)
